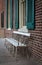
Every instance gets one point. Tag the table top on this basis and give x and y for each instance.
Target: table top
(14, 42)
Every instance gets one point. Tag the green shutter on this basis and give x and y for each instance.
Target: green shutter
(30, 14)
(7, 13)
(16, 14)
(11, 14)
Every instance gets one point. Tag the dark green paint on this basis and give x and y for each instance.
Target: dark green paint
(30, 14)
(16, 14)
(11, 14)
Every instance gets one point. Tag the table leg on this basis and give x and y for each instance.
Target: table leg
(16, 53)
(13, 51)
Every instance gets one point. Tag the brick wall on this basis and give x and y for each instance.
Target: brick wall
(1, 33)
(8, 33)
(36, 42)
(2, 8)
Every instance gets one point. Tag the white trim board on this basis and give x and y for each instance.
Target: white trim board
(21, 33)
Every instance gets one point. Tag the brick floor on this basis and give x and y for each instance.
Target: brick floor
(7, 59)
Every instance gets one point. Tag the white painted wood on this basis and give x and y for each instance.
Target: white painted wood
(14, 42)
(23, 29)
(21, 33)
(9, 29)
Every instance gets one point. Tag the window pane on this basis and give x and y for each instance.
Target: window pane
(22, 13)
(2, 19)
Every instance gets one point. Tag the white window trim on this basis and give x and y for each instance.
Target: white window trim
(9, 29)
(21, 14)
(23, 29)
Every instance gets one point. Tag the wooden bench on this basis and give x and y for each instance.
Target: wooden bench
(15, 44)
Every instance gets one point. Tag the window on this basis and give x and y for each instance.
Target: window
(2, 19)
(22, 13)
(9, 21)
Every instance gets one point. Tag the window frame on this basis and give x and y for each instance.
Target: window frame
(2, 19)
(23, 13)
(22, 27)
